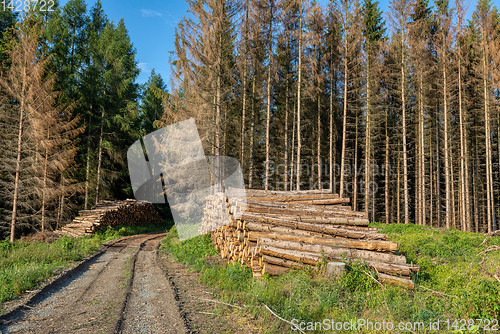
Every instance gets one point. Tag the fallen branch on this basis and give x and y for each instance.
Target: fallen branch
(373, 278)
(495, 275)
(288, 322)
(489, 249)
(383, 290)
(438, 292)
(492, 234)
(216, 301)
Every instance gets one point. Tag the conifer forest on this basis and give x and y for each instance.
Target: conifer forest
(399, 110)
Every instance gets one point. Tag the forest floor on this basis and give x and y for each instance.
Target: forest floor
(129, 287)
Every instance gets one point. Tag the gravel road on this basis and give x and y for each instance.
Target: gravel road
(122, 290)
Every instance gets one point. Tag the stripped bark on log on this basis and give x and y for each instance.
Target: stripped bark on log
(280, 231)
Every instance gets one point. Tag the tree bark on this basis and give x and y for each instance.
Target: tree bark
(285, 177)
(333, 251)
(344, 128)
(319, 143)
(405, 153)
(268, 117)
(244, 106)
(252, 134)
(299, 87)
(87, 172)
(18, 159)
(330, 153)
(487, 135)
(446, 148)
(44, 189)
(367, 135)
(99, 163)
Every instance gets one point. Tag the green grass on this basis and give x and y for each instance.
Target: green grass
(449, 266)
(23, 264)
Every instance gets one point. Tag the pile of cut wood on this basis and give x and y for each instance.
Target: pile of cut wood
(111, 213)
(281, 230)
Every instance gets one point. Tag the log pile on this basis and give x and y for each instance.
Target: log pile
(111, 213)
(280, 231)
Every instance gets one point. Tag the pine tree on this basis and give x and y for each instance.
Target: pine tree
(374, 32)
(399, 14)
(485, 18)
(152, 106)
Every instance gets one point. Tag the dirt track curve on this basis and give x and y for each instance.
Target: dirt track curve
(122, 290)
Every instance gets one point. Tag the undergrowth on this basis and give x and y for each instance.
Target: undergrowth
(451, 284)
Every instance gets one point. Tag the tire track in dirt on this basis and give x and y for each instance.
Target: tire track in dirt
(122, 290)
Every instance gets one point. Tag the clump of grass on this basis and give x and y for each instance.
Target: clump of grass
(119, 231)
(450, 264)
(25, 263)
(460, 289)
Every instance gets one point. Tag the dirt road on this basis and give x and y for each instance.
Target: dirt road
(122, 290)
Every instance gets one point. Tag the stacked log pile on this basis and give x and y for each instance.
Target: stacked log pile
(280, 231)
(111, 213)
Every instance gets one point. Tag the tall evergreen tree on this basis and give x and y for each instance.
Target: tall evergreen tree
(151, 107)
(374, 32)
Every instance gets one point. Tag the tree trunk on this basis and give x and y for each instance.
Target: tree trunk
(386, 190)
(244, 106)
(319, 143)
(99, 162)
(422, 197)
(367, 135)
(438, 173)
(268, 117)
(299, 87)
(330, 153)
(398, 194)
(60, 212)
(18, 159)
(344, 131)
(355, 176)
(218, 116)
(293, 148)
(285, 177)
(405, 153)
(464, 168)
(44, 189)
(252, 131)
(446, 148)
(487, 135)
(87, 174)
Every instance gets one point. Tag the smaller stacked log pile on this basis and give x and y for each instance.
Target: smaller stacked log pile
(281, 230)
(111, 213)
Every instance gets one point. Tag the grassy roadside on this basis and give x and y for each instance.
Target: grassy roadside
(457, 287)
(25, 263)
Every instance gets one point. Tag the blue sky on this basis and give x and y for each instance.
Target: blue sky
(151, 25)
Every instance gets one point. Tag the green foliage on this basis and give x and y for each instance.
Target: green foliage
(309, 296)
(373, 29)
(356, 278)
(125, 230)
(191, 251)
(151, 107)
(24, 264)
(450, 262)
